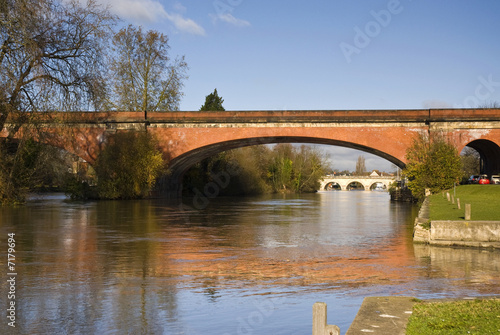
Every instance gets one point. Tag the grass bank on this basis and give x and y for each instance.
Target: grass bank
(457, 317)
(484, 200)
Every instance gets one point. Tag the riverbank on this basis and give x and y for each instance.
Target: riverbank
(484, 201)
(410, 316)
(442, 219)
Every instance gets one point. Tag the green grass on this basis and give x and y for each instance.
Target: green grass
(484, 200)
(479, 317)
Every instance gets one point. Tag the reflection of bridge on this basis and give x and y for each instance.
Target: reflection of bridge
(348, 182)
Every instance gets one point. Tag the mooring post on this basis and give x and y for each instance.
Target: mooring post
(467, 211)
(320, 326)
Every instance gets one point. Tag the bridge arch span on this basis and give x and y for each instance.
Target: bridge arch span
(489, 153)
(357, 185)
(331, 186)
(385, 185)
(180, 165)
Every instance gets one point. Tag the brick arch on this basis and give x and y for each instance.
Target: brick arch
(179, 165)
(184, 135)
(485, 140)
(489, 152)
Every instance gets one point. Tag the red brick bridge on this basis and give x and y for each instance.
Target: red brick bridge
(188, 137)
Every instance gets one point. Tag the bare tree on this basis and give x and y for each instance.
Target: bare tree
(360, 166)
(490, 104)
(51, 58)
(143, 76)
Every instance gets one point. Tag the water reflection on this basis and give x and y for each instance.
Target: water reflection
(477, 268)
(239, 266)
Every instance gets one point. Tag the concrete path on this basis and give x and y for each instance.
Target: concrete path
(383, 316)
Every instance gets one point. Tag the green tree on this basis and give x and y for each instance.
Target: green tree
(310, 166)
(143, 77)
(213, 102)
(281, 167)
(432, 163)
(292, 169)
(128, 166)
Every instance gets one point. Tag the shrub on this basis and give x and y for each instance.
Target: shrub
(128, 166)
(432, 163)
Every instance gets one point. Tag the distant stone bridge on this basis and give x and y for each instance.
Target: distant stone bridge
(346, 182)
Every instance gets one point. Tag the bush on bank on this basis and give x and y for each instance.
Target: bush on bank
(28, 166)
(433, 164)
(127, 168)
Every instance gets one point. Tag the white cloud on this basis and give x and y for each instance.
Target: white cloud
(146, 11)
(185, 25)
(229, 18)
(136, 10)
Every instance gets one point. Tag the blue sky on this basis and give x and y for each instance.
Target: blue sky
(344, 54)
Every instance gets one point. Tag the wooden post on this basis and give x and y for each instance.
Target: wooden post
(458, 203)
(448, 196)
(319, 326)
(467, 211)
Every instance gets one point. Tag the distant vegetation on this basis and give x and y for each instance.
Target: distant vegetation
(259, 169)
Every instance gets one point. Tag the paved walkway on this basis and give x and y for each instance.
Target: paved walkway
(383, 316)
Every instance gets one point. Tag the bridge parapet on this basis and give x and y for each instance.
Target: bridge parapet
(255, 116)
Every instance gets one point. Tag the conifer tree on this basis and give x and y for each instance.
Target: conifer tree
(213, 102)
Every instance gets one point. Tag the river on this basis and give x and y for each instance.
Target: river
(252, 265)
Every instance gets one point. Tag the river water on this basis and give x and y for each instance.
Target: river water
(252, 265)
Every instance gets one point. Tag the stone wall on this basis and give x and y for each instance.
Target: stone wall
(486, 231)
(485, 234)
